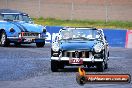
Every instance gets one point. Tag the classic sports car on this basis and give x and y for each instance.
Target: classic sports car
(80, 46)
(18, 28)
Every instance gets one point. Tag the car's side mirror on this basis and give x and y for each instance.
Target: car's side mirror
(44, 30)
(105, 37)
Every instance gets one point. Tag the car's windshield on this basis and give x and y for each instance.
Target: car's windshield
(16, 17)
(79, 34)
(9, 16)
(26, 18)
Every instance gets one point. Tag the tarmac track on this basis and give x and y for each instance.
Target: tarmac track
(29, 67)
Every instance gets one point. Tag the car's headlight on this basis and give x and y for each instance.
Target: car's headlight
(55, 46)
(12, 30)
(20, 35)
(98, 48)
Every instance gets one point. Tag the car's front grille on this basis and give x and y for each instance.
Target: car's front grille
(29, 34)
(76, 54)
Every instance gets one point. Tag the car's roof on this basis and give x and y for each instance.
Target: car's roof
(10, 11)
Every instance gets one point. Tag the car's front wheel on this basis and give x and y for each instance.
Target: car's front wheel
(101, 66)
(40, 44)
(17, 44)
(3, 39)
(54, 66)
(61, 66)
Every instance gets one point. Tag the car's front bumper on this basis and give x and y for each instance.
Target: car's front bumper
(91, 59)
(25, 40)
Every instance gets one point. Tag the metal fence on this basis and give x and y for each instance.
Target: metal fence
(74, 9)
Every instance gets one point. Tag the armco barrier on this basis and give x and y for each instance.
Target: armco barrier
(115, 38)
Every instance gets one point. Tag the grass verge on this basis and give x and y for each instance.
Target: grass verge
(83, 23)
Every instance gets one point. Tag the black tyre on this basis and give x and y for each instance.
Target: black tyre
(40, 44)
(106, 60)
(4, 42)
(61, 66)
(108, 56)
(106, 65)
(17, 44)
(101, 66)
(54, 66)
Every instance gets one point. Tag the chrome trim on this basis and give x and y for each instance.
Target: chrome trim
(92, 59)
(23, 38)
(76, 54)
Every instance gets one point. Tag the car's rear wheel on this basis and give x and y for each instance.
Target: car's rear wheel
(106, 65)
(4, 42)
(54, 66)
(106, 60)
(101, 66)
(40, 44)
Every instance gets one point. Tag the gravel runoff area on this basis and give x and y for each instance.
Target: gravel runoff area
(29, 67)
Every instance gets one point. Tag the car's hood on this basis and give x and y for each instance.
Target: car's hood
(78, 45)
(31, 27)
(27, 27)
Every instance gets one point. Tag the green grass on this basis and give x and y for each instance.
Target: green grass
(83, 23)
